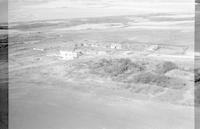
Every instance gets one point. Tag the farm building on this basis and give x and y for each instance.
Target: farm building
(116, 46)
(153, 47)
(68, 55)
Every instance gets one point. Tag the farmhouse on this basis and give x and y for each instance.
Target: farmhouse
(116, 46)
(68, 55)
(153, 48)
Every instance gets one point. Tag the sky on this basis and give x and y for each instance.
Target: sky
(27, 10)
(39, 1)
(3, 11)
(67, 3)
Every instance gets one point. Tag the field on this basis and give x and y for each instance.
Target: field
(4, 80)
(109, 72)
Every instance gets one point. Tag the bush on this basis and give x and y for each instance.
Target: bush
(3, 38)
(197, 76)
(150, 78)
(157, 79)
(164, 67)
(116, 67)
(197, 96)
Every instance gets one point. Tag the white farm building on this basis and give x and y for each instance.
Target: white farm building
(116, 46)
(68, 55)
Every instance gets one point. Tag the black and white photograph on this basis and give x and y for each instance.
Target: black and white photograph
(100, 64)
(3, 64)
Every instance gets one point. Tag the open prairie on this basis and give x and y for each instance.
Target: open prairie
(122, 71)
